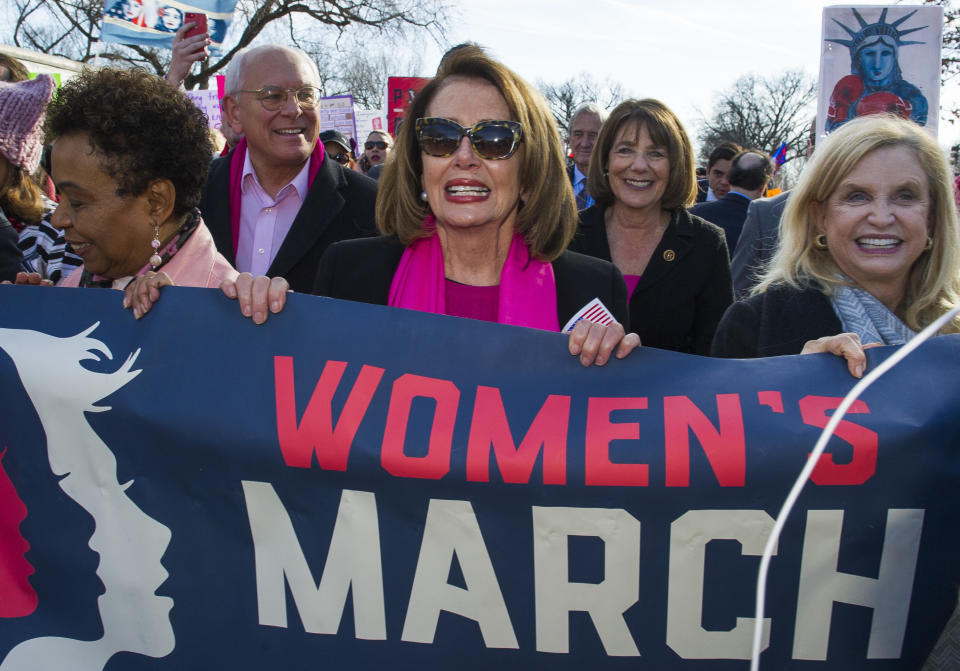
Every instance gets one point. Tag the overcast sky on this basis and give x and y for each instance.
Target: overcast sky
(680, 51)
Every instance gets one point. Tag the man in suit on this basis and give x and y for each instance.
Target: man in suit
(584, 128)
(750, 171)
(761, 233)
(758, 241)
(278, 200)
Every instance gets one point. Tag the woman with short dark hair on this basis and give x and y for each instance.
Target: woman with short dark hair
(642, 177)
(129, 157)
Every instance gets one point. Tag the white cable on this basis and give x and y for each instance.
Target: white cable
(818, 449)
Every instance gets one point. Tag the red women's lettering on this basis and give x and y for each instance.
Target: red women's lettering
(771, 399)
(316, 433)
(863, 464)
(436, 463)
(725, 447)
(489, 428)
(598, 469)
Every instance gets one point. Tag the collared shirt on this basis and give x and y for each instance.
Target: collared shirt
(265, 221)
(579, 184)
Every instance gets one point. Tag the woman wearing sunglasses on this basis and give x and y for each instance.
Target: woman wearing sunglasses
(337, 146)
(375, 149)
(677, 268)
(476, 211)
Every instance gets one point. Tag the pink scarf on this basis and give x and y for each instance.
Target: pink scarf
(528, 289)
(236, 177)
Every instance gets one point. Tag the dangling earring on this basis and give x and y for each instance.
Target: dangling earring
(820, 241)
(155, 260)
(929, 245)
(423, 196)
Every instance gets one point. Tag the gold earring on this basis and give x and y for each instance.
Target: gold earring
(820, 241)
(929, 244)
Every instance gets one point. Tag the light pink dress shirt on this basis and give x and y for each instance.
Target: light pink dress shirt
(264, 221)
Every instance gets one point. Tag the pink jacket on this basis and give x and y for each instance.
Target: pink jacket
(196, 264)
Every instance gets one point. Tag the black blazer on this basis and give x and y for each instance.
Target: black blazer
(728, 213)
(338, 206)
(685, 288)
(362, 270)
(779, 321)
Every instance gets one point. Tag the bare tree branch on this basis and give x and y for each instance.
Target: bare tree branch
(761, 112)
(564, 97)
(950, 51)
(70, 28)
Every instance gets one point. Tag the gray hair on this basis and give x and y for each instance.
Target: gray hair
(592, 108)
(236, 68)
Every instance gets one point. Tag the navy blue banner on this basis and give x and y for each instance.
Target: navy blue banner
(350, 486)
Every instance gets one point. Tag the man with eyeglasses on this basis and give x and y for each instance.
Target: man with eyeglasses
(278, 199)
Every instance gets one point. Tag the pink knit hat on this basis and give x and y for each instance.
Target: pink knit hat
(22, 108)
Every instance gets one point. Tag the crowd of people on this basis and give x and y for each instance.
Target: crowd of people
(475, 210)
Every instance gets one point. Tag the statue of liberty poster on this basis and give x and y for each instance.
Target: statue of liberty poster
(877, 60)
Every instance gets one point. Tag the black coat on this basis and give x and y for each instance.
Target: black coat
(10, 256)
(728, 213)
(362, 270)
(685, 288)
(779, 321)
(338, 206)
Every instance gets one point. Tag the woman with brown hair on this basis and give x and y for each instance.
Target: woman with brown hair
(476, 212)
(642, 177)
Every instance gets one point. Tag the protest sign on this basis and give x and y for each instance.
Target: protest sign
(208, 101)
(355, 486)
(152, 23)
(879, 59)
(370, 120)
(400, 93)
(336, 113)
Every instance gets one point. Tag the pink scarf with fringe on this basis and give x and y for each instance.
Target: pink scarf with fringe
(528, 288)
(236, 179)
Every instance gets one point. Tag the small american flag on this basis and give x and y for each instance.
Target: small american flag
(594, 311)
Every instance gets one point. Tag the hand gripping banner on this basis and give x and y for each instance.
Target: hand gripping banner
(350, 486)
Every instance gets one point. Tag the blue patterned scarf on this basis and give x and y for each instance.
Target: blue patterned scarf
(861, 313)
